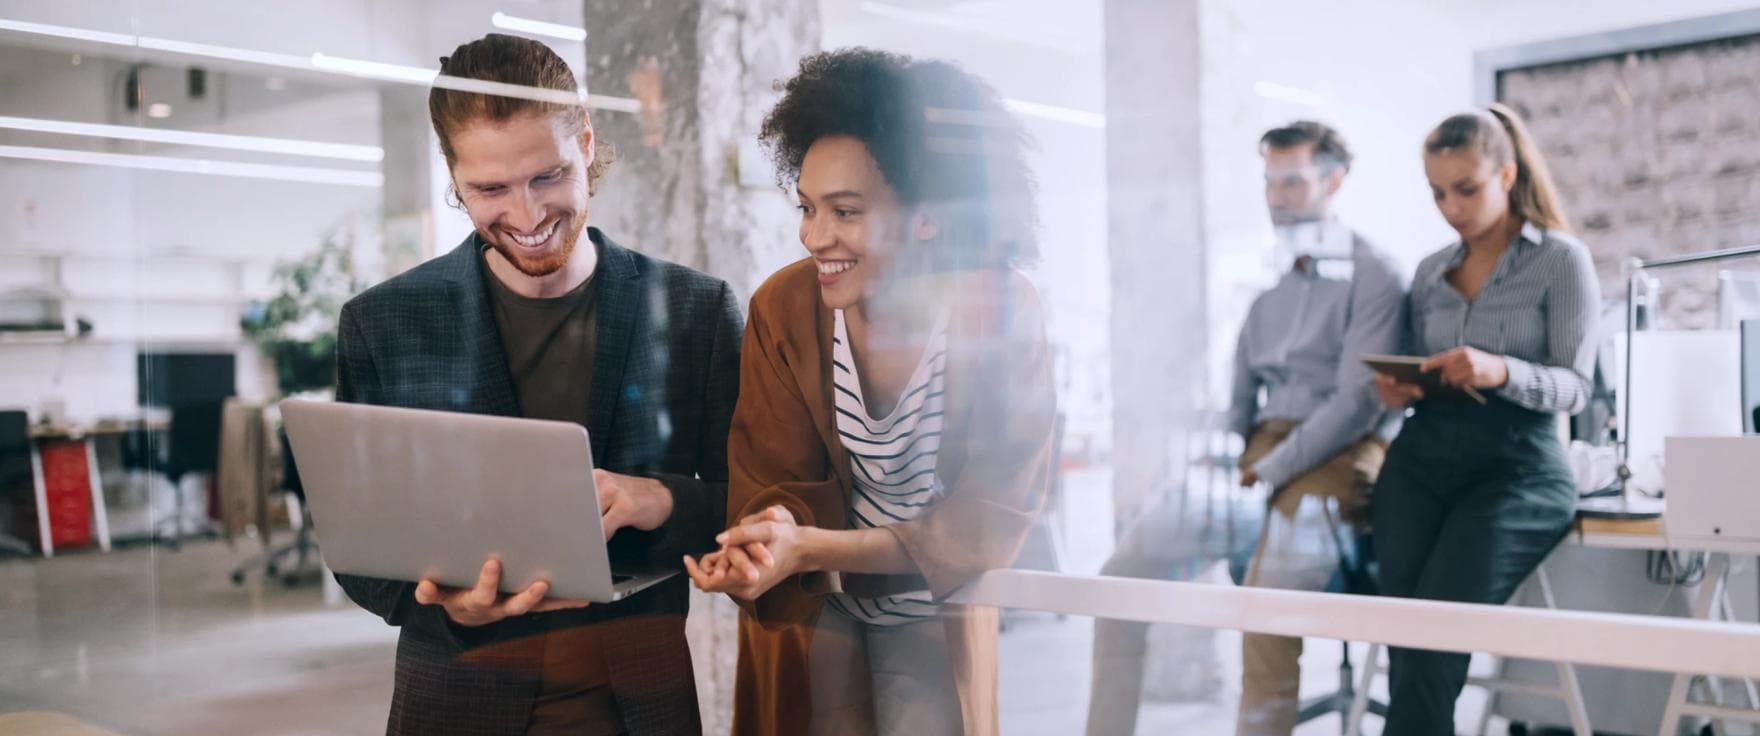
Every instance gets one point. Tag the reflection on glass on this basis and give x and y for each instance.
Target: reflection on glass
(189, 196)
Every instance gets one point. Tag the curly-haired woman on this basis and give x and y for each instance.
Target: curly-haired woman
(894, 428)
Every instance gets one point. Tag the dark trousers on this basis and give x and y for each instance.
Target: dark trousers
(1470, 500)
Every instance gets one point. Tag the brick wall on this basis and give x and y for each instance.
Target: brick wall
(1655, 153)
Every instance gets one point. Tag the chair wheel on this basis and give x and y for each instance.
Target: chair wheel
(238, 577)
(272, 570)
(291, 581)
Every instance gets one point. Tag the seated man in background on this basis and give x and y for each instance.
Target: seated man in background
(1315, 434)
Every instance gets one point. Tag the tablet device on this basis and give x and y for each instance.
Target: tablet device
(1405, 368)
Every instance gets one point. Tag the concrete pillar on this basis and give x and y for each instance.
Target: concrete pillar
(408, 206)
(1159, 328)
(690, 184)
(1156, 236)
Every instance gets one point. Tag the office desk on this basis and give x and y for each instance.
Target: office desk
(55, 449)
(1712, 602)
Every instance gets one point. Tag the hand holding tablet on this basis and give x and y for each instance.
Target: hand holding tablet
(1408, 369)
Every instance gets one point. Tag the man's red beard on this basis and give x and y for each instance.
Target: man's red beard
(549, 263)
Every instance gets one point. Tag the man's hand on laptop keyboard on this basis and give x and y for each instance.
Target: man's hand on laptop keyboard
(484, 603)
(627, 500)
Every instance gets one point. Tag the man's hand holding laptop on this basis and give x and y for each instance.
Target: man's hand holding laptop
(624, 501)
(484, 604)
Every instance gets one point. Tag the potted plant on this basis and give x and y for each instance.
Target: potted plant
(296, 328)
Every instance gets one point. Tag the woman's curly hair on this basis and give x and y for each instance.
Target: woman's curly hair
(941, 137)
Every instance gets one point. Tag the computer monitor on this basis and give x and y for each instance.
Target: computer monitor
(1751, 376)
(176, 379)
(193, 386)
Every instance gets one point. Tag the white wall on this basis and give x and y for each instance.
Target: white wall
(173, 256)
(155, 260)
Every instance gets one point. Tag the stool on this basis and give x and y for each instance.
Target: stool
(1567, 689)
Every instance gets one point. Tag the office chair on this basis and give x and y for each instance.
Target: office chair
(1355, 576)
(304, 546)
(15, 480)
(193, 386)
(194, 447)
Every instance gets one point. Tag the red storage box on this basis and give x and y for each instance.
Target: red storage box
(67, 484)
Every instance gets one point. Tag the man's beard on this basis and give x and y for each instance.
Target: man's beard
(549, 263)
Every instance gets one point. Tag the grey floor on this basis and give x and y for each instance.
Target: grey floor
(147, 641)
(144, 641)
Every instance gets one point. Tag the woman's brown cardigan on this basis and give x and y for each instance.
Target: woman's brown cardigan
(995, 463)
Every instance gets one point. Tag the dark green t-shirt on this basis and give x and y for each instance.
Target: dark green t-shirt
(549, 345)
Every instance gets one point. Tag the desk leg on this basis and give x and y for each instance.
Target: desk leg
(1569, 688)
(100, 513)
(1716, 564)
(1728, 609)
(41, 487)
(1353, 725)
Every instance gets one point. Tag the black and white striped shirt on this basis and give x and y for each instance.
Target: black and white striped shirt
(892, 459)
(1539, 310)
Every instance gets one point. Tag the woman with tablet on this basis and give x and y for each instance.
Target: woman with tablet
(893, 435)
(1475, 494)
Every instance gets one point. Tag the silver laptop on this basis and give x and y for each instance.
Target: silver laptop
(407, 494)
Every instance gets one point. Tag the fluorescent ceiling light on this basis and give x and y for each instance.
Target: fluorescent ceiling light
(320, 62)
(183, 48)
(77, 34)
(965, 23)
(429, 77)
(614, 104)
(306, 174)
(1058, 114)
(159, 110)
(373, 69)
(371, 154)
(538, 28)
(155, 44)
(248, 56)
